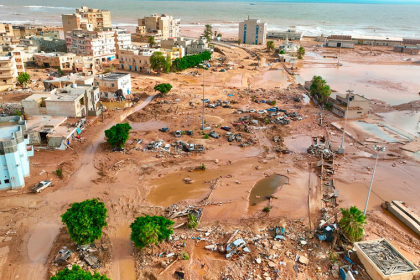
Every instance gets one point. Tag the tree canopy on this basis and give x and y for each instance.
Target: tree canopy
(163, 88)
(319, 89)
(352, 223)
(190, 61)
(152, 41)
(77, 273)
(301, 52)
(85, 221)
(23, 78)
(118, 134)
(160, 63)
(150, 230)
(239, 41)
(208, 32)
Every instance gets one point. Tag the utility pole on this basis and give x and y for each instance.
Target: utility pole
(373, 41)
(377, 149)
(339, 54)
(202, 122)
(341, 149)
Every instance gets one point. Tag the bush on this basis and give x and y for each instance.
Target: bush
(118, 134)
(192, 221)
(85, 221)
(23, 78)
(18, 113)
(77, 273)
(266, 209)
(59, 173)
(203, 167)
(163, 88)
(206, 136)
(150, 230)
(185, 256)
(352, 223)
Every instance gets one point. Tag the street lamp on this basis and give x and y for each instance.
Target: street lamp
(349, 98)
(377, 149)
(202, 122)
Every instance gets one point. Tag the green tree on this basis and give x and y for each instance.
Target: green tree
(352, 223)
(190, 61)
(152, 41)
(158, 62)
(23, 78)
(163, 88)
(167, 65)
(77, 273)
(208, 32)
(239, 41)
(85, 221)
(118, 134)
(60, 71)
(149, 230)
(219, 35)
(270, 45)
(319, 89)
(282, 52)
(301, 52)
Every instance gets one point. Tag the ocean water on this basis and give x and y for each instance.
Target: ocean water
(357, 17)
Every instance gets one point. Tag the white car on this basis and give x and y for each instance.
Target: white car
(167, 148)
(262, 111)
(40, 186)
(252, 110)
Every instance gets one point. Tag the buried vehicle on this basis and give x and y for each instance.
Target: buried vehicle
(214, 134)
(41, 186)
(164, 129)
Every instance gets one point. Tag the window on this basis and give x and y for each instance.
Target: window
(112, 85)
(7, 181)
(104, 84)
(97, 83)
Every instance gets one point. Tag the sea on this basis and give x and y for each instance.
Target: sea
(344, 17)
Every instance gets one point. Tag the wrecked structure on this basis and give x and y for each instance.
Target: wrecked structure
(383, 261)
(357, 107)
(72, 101)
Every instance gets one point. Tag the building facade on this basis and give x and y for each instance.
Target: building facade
(253, 32)
(14, 153)
(98, 44)
(290, 34)
(155, 25)
(110, 83)
(94, 18)
(358, 106)
(189, 46)
(64, 61)
(133, 59)
(339, 41)
(8, 72)
(411, 50)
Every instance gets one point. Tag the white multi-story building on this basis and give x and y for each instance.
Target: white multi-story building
(122, 39)
(190, 46)
(14, 153)
(110, 83)
(163, 26)
(9, 71)
(252, 32)
(99, 44)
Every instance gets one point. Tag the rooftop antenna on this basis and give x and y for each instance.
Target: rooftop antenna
(349, 98)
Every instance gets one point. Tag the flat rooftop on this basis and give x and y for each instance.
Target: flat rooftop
(357, 97)
(378, 38)
(112, 76)
(55, 54)
(43, 123)
(8, 125)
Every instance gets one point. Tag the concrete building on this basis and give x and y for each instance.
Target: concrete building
(79, 79)
(383, 261)
(64, 61)
(19, 59)
(378, 40)
(94, 18)
(100, 45)
(55, 132)
(8, 72)
(6, 30)
(340, 41)
(253, 32)
(291, 34)
(52, 45)
(134, 59)
(72, 101)
(122, 39)
(358, 106)
(14, 153)
(85, 64)
(109, 83)
(411, 50)
(155, 25)
(188, 46)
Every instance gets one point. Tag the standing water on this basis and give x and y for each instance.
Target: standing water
(266, 187)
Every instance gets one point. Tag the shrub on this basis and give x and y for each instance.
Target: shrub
(266, 209)
(192, 221)
(163, 88)
(77, 273)
(118, 134)
(203, 167)
(59, 173)
(185, 256)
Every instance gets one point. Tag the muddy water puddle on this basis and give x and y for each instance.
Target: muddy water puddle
(148, 126)
(200, 252)
(298, 143)
(40, 242)
(276, 77)
(171, 189)
(266, 187)
(404, 120)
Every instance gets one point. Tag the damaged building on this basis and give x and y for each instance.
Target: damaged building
(357, 107)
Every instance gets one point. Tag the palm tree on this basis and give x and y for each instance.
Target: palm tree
(301, 52)
(352, 223)
(152, 41)
(270, 45)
